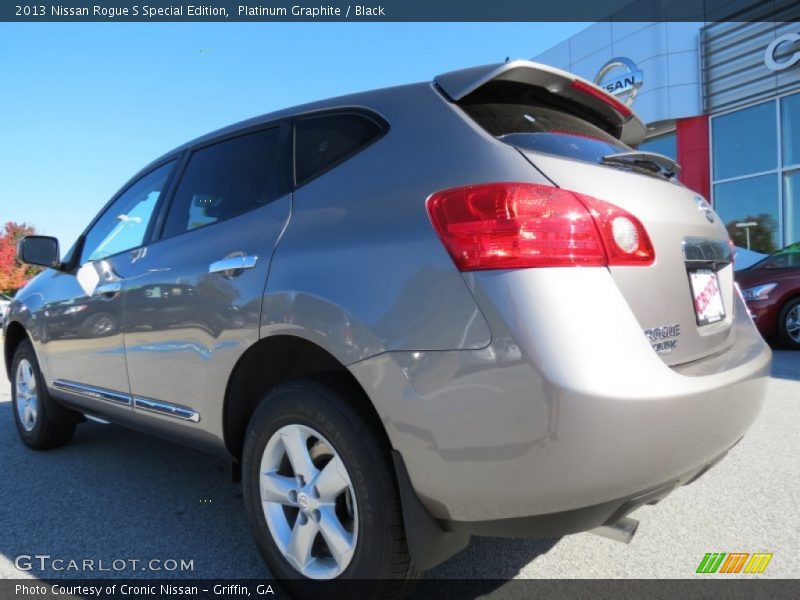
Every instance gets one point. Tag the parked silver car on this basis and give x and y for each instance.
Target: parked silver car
(410, 316)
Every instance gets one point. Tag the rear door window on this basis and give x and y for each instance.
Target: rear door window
(322, 142)
(224, 180)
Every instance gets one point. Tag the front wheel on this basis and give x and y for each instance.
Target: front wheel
(789, 325)
(321, 494)
(41, 422)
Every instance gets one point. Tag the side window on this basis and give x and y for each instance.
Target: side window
(321, 142)
(124, 224)
(225, 180)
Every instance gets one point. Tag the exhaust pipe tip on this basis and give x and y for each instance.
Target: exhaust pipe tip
(620, 531)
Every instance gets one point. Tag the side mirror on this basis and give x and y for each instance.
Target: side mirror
(39, 250)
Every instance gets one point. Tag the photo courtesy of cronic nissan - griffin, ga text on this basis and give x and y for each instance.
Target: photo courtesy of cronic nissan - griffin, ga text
(464, 307)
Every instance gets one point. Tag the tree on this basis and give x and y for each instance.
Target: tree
(13, 274)
(762, 234)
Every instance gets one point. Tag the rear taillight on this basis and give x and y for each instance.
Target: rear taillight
(522, 225)
(624, 237)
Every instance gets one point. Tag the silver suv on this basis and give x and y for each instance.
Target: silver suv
(408, 316)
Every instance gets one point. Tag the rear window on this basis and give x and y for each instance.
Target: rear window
(322, 142)
(545, 129)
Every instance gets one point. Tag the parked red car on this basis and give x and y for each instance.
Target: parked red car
(771, 288)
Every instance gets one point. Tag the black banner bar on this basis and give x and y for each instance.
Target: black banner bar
(730, 587)
(398, 10)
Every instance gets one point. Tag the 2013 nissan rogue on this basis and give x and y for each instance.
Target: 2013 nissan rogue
(410, 316)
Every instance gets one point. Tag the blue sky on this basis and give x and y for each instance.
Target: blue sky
(84, 106)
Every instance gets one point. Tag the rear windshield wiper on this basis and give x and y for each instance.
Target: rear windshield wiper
(658, 163)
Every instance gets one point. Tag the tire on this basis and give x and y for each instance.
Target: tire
(788, 320)
(41, 422)
(334, 427)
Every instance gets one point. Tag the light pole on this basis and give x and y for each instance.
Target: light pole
(746, 226)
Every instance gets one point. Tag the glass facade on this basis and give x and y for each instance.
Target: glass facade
(745, 141)
(791, 202)
(790, 128)
(665, 144)
(756, 173)
(749, 208)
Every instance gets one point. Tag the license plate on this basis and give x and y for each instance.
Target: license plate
(707, 297)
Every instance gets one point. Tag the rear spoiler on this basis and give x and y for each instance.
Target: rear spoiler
(630, 129)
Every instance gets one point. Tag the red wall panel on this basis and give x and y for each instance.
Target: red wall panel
(693, 154)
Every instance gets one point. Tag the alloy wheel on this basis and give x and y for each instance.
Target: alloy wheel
(793, 323)
(309, 502)
(27, 398)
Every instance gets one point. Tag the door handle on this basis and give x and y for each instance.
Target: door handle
(232, 264)
(112, 287)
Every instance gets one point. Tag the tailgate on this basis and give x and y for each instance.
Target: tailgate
(688, 246)
(568, 129)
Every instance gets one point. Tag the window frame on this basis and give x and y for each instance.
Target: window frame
(780, 171)
(283, 170)
(75, 253)
(373, 116)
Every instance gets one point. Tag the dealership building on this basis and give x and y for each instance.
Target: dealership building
(722, 98)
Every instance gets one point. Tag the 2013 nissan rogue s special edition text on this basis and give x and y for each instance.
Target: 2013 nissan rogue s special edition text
(411, 315)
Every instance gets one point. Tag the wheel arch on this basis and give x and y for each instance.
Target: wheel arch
(268, 363)
(15, 334)
(793, 295)
(276, 359)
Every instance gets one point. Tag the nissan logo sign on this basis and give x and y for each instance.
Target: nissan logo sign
(772, 50)
(627, 82)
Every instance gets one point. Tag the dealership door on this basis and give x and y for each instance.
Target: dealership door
(194, 303)
(83, 329)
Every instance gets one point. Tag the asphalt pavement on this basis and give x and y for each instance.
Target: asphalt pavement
(116, 495)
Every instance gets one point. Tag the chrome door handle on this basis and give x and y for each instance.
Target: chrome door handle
(233, 263)
(113, 287)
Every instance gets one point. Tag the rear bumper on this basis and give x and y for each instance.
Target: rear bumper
(578, 519)
(547, 420)
(431, 542)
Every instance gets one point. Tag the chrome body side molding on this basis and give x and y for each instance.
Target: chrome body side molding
(146, 404)
(92, 391)
(165, 408)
